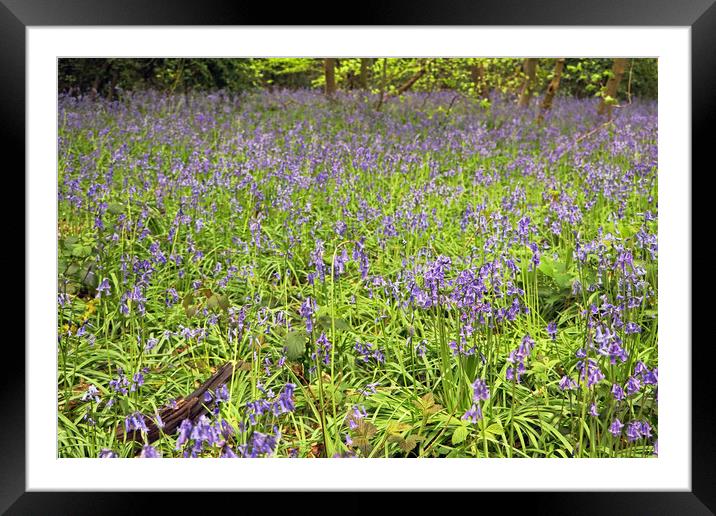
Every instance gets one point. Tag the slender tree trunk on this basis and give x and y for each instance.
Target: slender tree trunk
(530, 69)
(551, 89)
(96, 84)
(112, 84)
(383, 83)
(620, 64)
(329, 66)
(477, 74)
(363, 78)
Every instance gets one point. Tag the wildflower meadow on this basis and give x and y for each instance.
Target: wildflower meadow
(278, 272)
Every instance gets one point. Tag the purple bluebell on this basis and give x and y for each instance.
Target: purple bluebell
(150, 452)
(616, 428)
(593, 410)
(552, 330)
(473, 415)
(103, 288)
(632, 386)
(308, 307)
(567, 384)
(480, 390)
(618, 392)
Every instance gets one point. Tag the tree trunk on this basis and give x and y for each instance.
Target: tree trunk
(383, 83)
(551, 89)
(329, 66)
(477, 73)
(530, 69)
(605, 107)
(363, 78)
(112, 84)
(97, 83)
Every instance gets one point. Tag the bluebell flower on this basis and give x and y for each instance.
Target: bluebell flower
(651, 377)
(222, 394)
(645, 429)
(633, 430)
(184, 430)
(618, 392)
(228, 453)
(307, 309)
(323, 349)
(616, 428)
(369, 389)
(137, 381)
(473, 415)
(135, 422)
(91, 393)
(567, 384)
(593, 410)
(103, 288)
(552, 330)
(150, 452)
(480, 390)
(632, 386)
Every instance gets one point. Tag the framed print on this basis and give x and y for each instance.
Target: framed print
(413, 251)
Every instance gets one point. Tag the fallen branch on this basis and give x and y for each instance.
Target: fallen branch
(590, 133)
(191, 407)
(409, 83)
(583, 137)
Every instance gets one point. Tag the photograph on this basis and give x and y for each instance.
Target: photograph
(357, 257)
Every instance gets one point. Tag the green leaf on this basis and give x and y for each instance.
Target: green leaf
(88, 277)
(546, 266)
(395, 438)
(434, 409)
(188, 300)
(410, 443)
(362, 443)
(556, 270)
(495, 430)
(295, 342)
(428, 400)
(459, 435)
(213, 302)
(81, 251)
(327, 320)
(396, 427)
(69, 242)
(115, 208)
(341, 324)
(72, 269)
(366, 428)
(223, 301)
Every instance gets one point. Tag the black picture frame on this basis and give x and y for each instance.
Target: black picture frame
(700, 15)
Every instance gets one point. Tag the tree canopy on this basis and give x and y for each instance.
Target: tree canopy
(581, 77)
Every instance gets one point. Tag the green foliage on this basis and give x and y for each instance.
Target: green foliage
(587, 77)
(581, 77)
(77, 264)
(295, 342)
